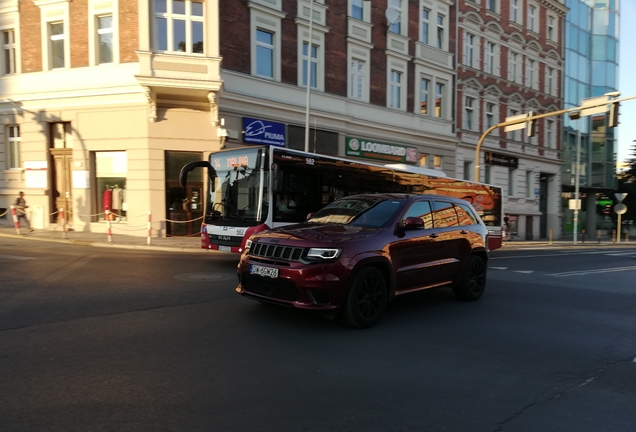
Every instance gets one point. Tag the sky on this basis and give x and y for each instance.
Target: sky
(626, 79)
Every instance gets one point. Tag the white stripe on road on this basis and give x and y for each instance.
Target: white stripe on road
(597, 271)
(14, 257)
(563, 253)
(498, 268)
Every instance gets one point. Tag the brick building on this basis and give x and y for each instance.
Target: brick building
(510, 62)
(103, 101)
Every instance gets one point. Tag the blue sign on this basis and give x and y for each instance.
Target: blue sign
(263, 132)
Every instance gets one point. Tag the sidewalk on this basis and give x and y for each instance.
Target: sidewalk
(193, 243)
(80, 238)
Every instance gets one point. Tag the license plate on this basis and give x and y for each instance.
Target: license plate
(225, 249)
(264, 271)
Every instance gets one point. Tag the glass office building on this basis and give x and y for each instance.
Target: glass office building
(591, 70)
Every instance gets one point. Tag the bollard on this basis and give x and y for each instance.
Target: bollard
(110, 234)
(149, 228)
(63, 219)
(550, 236)
(16, 221)
(613, 236)
(583, 236)
(598, 236)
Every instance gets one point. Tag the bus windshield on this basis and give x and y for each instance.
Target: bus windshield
(238, 196)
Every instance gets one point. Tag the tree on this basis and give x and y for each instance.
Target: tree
(627, 184)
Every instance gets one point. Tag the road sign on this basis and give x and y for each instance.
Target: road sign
(574, 204)
(517, 126)
(594, 109)
(620, 196)
(620, 209)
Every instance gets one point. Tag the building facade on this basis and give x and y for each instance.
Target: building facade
(511, 62)
(102, 102)
(591, 46)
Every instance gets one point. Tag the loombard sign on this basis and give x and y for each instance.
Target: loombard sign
(363, 148)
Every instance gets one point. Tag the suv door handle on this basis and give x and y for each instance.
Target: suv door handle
(464, 232)
(434, 235)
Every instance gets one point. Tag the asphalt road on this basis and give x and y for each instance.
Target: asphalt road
(95, 339)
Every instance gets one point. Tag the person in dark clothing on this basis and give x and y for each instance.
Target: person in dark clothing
(21, 206)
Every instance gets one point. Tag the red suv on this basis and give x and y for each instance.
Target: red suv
(359, 252)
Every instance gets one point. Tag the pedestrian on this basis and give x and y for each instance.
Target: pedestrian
(21, 206)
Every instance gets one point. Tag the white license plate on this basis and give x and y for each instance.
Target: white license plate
(225, 249)
(264, 271)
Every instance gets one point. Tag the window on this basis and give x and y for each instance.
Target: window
(490, 58)
(57, 44)
(488, 175)
(469, 47)
(8, 45)
(513, 67)
(424, 160)
(551, 30)
(490, 114)
(264, 53)
(511, 181)
(468, 170)
(395, 100)
(529, 184)
(179, 26)
(424, 89)
(514, 10)
(549, 82)
(357, 9)
(422, 210)
(437, 162)
(530, 73)
(492, 5)
(13, 143)
(440, 31)
(314, 64)
(105, 39)
(396, 27)
(439, 96)
(358, 71)
(425, 25)
(532, 18)
(549, 134)
(468, 114)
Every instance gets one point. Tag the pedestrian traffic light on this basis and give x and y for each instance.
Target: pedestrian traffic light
(531, 126)
(612, 119)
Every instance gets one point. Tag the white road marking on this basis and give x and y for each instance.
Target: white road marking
(563, 253)
(622, 254)
(524, 271)
(14, 257)
(498, 268)
(597, 271)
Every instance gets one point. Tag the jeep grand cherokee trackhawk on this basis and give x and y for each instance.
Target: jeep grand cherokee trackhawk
(359, 252)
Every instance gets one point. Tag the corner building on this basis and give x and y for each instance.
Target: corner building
(510, 61)
(102, 102)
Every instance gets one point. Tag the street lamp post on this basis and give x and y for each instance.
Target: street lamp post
(576, 185)
(311, 31)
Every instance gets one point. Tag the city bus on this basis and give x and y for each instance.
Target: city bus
(257, 188)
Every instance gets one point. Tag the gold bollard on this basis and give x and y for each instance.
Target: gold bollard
(550, 236)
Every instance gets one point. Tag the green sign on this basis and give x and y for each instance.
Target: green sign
(363, 148)
(605, 202)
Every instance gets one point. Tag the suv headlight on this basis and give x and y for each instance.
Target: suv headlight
(248, 244)
(323, 254)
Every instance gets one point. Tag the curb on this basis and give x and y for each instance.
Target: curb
(110, 245)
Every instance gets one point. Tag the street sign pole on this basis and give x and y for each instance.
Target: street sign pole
(576, 185)
(619, 208)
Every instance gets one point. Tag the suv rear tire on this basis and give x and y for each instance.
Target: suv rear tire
(473, 282)
(366, 299)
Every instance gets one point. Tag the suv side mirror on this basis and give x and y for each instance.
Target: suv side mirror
(412, 223)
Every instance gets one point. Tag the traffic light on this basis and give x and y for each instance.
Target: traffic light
(612, 119)
(531, 126)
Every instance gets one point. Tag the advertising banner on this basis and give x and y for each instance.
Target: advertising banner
(363, 148)
(263, 132)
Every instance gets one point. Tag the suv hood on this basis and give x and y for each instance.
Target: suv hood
(321, 233)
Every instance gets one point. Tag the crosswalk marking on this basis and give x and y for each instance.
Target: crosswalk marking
(15, 257)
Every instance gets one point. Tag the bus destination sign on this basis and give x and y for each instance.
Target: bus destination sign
(364, 148)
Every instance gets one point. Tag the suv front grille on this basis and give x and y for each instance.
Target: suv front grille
(286, 253)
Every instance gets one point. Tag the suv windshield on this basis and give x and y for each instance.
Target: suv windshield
(363, 212)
